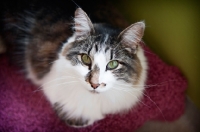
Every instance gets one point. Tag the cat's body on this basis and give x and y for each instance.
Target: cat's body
(85, 70)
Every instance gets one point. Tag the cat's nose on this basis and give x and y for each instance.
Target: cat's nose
(94, 86)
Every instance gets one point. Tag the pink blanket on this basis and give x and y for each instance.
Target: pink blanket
(24, 109)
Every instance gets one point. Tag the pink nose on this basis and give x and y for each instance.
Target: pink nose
(95, 85)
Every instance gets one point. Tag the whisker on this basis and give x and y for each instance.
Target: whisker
(132, 86)
(38, 90)
(158, 84)
(61, 78)
(148, 52)
(39, 101)
(156, 106)
(124, 85)
(40, 98)
(64, 83)
(128, 90)
(153, 103)
(147, 86)
(132, 94)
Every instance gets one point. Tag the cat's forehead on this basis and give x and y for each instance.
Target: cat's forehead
(100, 60)
(95, 44)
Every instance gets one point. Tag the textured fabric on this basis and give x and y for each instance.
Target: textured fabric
(24, 108)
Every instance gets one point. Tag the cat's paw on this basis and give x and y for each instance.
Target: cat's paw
(70, 121)
(76, 122)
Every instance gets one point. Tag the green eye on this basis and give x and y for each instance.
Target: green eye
(86, 59)
(112, 65)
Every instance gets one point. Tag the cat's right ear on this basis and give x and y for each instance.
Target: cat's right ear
(83, 25)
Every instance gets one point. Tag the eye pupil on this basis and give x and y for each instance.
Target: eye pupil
(112, 65)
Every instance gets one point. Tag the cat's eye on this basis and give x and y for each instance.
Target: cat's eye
(86, 59)
(112, 64)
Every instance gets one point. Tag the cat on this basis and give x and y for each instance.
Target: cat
(86, 70)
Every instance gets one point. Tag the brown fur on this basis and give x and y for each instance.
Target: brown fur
(92, 78)
(2, 46)
(45, 45)
(138, 69)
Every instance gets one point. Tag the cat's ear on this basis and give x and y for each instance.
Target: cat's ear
(132, 35)
(83, 25)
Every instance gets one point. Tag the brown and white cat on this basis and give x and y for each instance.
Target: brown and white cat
(85, 74)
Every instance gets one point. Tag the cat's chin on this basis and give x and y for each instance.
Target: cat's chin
(94, 92)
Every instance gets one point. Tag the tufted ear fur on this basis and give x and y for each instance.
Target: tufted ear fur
(132, 35)
(83, 25)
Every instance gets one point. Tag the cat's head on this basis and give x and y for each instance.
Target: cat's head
(102, 57)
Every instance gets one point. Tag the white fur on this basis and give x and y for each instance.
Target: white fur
(65, 84)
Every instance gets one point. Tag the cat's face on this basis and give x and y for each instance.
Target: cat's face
(104, 59)
(102, 62)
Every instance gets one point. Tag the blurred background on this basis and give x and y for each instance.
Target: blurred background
(172, 32)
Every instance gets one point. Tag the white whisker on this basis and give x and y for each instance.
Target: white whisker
(132, 94)
(146, 86)
(38, 90)
(64, 83)
(57, 79)
(148, 52)
(129, 90)
(153, 103)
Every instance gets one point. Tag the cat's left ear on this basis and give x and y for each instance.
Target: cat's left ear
(83, 25)
(132, 36)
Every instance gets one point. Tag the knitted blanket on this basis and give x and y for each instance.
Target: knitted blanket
(25, 109)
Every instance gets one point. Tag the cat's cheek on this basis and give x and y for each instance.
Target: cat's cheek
(83, 70)
(82, 73)
(108, 79)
